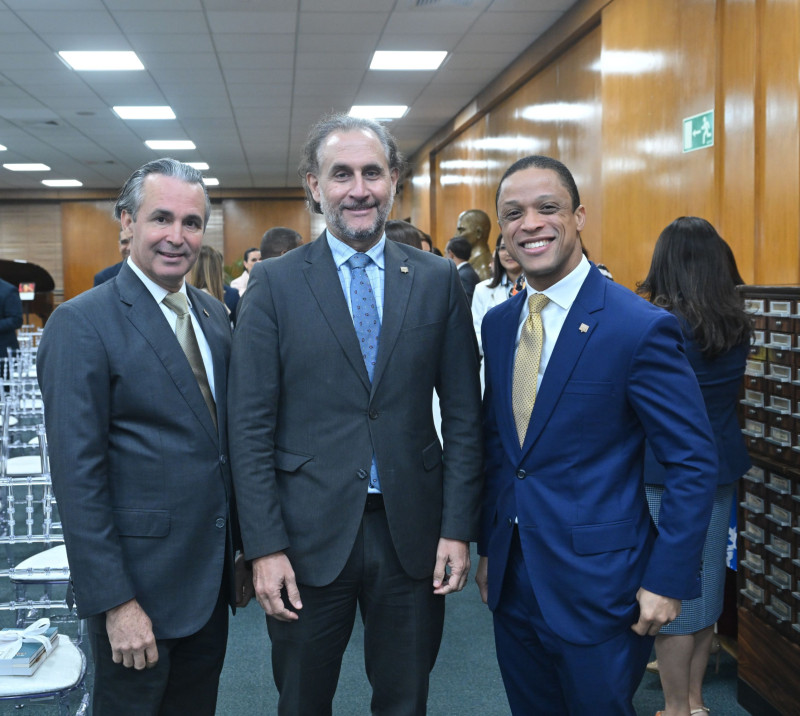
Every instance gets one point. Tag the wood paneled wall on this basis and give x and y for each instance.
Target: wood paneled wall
(607, 91)
(89, 236)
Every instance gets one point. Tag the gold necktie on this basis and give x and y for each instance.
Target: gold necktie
(526, 365)
(184, 332)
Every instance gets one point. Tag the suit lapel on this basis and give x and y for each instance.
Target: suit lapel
(146, 316)
(575, 334)
(323, 282)
(397, 284)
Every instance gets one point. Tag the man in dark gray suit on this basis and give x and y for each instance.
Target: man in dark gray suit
(347, 499)
(136, 426)
(458, 250)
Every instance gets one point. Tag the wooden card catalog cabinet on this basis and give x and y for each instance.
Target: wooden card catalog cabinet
(769, 505)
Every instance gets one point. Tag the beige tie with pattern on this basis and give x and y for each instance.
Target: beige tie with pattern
(184, 332)
(526, 365)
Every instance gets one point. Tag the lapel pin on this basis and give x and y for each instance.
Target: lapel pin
(205, 313)
(583, 328)
(404, 269)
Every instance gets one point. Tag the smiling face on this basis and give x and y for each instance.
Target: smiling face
(354, 187)
(168, 231)
(540, 227)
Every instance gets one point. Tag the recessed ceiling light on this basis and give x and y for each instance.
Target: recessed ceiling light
(383, 60)
(3, 148)
(210, 181)
(378, 111)
(170, 144)
(162, 112)
(27, 167)
(200, 166)
(61, 182)
(101, 61)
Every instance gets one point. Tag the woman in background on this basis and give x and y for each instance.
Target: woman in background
(506, 280)
(693, 275)
(207, 274)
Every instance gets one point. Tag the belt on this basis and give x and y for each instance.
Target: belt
(374, 502)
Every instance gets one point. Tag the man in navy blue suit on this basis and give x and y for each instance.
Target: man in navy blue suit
(578, 578)
(124, 250)
(10, 317)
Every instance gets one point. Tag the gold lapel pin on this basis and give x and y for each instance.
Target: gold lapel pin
(404, 269)
(205, 313)
(583, 328)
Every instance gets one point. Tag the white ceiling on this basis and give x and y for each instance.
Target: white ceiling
(246, 78)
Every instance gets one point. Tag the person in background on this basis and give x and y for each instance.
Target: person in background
(404, 233)
(427, 243)
(279, 240)
(458, 250)
(693, 275)
(207, 274)
(251, 258)
(507, 280)
(124, 244)
(10, 320)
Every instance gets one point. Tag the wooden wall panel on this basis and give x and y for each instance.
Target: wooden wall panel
(736, 124)
(246, 220)
(658, 68)
(89, 235)
(776, 140)
(32, 232)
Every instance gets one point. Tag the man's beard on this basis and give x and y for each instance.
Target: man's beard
(335, 221)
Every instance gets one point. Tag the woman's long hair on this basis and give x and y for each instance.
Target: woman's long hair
(497, 268)
(693, 275)
(207, 272)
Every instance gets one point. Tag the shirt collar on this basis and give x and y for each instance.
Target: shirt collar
(564, 292)
(155, 290)
(342, 252)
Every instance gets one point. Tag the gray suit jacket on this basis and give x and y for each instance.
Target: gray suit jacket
(305, 419)
(139, 471)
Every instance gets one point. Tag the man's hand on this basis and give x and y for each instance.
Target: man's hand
(482, 578)
(130, 632)
(654, 612)
(271, 574)
(455, 555)
(244, 582)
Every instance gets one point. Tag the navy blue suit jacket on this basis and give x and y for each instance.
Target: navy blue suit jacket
(10, 317)
(107, 273)
(617, 374)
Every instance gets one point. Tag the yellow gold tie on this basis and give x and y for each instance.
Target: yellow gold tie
(526, 365)
(184, 332)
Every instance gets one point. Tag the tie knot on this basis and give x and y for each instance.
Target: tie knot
(537, 302)
(177, 303)
(358, 261)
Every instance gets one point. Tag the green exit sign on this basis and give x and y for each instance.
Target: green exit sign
(698, 131)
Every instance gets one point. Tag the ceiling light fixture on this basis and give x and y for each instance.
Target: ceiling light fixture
(210, 181)
(390, 60)
(27, 167)
(3, 148)
(101, 61)
(378, 111)
(156, 112)
(168, 144)
(200, 166)
(61, 182)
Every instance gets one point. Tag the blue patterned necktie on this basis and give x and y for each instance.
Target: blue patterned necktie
(366, 320)
(367, 323)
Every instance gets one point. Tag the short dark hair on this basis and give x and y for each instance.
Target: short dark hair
(459, 247)
(248, 252)
(538, 161)
(404, 233)
(309, 163)
(131, 195)
(278, 240)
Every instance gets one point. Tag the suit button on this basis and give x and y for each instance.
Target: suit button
(223, 459)
(362, 474)
(373, 414)
(220, 523)
(521, 474)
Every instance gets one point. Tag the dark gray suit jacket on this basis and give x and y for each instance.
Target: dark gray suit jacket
(140, 473)
(469, 279)
(305, 419)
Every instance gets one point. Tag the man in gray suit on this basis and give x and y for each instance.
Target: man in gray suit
(347, 499)
(136, 427)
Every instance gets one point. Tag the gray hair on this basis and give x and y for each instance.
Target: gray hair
(309, 163)
(131, 195)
